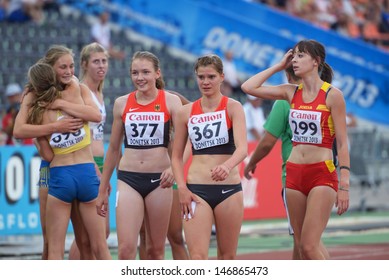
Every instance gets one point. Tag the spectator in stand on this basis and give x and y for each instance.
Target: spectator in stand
(14, 94)
(3, 9)
(101, 33)
(25, 11)
(255, 118)
(51, 6)
(231, 84)
(356, 19)
(351, 120)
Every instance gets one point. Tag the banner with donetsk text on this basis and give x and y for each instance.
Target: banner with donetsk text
(258, 36)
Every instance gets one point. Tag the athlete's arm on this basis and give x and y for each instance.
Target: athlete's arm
(263, 148)
(24, 130)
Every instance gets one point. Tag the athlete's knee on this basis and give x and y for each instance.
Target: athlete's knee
(198, 256)
(227, 256)
(308, 250)
(176, 238)
(155, 253)
(56, 253)
(127, 252)
(84, 247)
(100, 250)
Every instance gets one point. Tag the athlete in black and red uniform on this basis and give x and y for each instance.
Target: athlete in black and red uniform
(215, 126)
(142, 120)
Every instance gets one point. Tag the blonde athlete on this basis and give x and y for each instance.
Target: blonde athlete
(94, 67)
(70, 124)
(72, 171)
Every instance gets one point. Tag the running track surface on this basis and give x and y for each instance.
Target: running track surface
(341, 252)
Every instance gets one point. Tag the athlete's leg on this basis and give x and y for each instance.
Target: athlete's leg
(95, 228)
(296, 207)
(175, 233)
(158, 206)
(228, 222)
(320, 202)
(142, 242)
(57, 221)
(81, 247)
(129, 219)
(198, 231)
(42, 210)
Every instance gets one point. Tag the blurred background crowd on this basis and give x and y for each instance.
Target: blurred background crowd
(358, 19)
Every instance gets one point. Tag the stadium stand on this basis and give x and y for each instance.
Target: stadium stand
(360, 19)
(369, 157)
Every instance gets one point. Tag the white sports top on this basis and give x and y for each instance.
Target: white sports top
(98, 128)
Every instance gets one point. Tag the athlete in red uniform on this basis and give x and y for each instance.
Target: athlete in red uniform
(142, 118)
(311, 124)
(215, 126)
(317, 116)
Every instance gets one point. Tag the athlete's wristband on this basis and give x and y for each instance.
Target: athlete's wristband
(343, 189)
(344, 167)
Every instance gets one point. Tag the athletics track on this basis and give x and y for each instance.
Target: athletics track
(353, 236)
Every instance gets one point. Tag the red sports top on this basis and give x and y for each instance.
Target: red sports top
(211, 133)
(146, 126)
(311, 123)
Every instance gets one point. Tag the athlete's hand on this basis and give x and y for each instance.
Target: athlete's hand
(286, 60)
(249, 170)
(220, 172)
(167, 178)
(68, 125)
(342, 202)
(102, 202)
(342, 197)
(55, 105)
(188, 201)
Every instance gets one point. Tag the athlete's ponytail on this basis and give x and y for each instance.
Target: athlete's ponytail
(325, 72)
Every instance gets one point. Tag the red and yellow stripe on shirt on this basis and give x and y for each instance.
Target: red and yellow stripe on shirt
(312, 123)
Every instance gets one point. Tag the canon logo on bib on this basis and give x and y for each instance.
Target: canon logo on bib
(305, 115)
(203, 119)
(139, 117)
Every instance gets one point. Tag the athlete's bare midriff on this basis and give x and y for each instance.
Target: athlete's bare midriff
(306, 154)
(200, 170)
(145, 160)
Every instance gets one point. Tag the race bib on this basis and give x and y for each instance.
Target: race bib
(208, 130)
(145, 128)
(305, 126)
(65, 140)
(98, 132)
